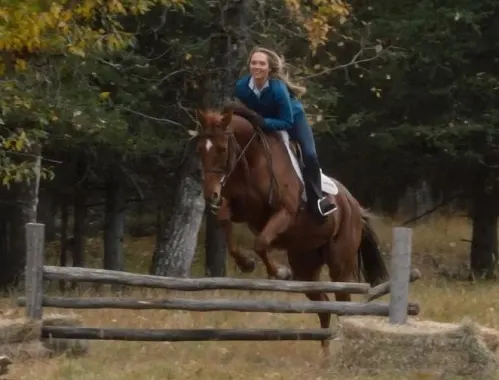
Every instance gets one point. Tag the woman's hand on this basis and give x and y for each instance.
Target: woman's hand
(240, 109)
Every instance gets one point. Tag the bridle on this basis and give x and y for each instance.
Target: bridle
(233, 158)
(236, 155)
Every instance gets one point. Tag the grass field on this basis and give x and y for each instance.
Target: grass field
(438, 249)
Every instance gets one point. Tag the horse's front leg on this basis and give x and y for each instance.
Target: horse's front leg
(244, 263)
(277, 224)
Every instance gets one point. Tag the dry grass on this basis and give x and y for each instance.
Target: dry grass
(437, 243)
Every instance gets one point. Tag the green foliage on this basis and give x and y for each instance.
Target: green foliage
(427, 107)
(52, 57)
(118, 81)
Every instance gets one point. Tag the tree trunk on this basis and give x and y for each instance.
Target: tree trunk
(79, 232)
(7, 258)
(234, 23)
(114, 222)
(20, 207)
(80, 218)
(33, 188)
(416, 201)
(13, 237)
(159, 234)
(483, 255)
(47, 213)
(160, 225)
(178, 246)
(64, 240)
(215, 244)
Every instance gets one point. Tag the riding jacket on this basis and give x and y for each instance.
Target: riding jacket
(274, 102)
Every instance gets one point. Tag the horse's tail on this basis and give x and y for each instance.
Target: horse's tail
(370, 257)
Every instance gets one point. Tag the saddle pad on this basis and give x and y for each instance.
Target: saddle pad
(328, 184)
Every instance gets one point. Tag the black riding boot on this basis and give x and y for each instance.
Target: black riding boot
(318, 204)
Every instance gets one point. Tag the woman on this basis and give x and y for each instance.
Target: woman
(268, 91)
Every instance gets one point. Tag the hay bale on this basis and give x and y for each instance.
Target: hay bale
(19, 330)
(62, 320)
(4, 364)
(491, 338)
(19, 352)
(370, 343)
(20, 339)
(70, 347)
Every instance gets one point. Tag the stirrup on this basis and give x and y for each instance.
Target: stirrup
(331, 206)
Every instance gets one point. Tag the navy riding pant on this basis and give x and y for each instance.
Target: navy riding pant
(302, 133)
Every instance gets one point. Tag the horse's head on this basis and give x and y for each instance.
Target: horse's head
(213, 148)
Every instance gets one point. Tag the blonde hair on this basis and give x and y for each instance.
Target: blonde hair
(278, 69)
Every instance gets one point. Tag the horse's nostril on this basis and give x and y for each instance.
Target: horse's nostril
(214, 196)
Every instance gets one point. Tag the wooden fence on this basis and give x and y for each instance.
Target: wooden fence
(36, 272)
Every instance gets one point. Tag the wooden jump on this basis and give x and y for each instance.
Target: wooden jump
(397, 309)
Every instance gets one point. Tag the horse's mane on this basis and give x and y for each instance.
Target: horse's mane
(213, 117)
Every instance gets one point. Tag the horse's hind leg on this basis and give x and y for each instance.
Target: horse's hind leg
(341, 253)
(341, 258)
(306, 266)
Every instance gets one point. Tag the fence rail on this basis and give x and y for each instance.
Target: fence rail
(397, 309)
(111, 277)
(187, 335)
(264, 306)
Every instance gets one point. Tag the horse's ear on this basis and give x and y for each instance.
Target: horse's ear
(226, 118)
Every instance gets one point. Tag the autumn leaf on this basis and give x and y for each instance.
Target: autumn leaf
(319, 23)
(73, 30)
(104, 95)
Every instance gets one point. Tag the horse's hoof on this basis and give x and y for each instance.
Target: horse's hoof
(247, 265)
(284, 273)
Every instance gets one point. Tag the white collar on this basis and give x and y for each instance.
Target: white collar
(255, 89)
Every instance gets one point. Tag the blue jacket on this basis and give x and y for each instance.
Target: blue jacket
(276, 104)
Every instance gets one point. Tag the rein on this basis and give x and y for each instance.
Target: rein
(232, 162)
(273, 178)
(232, 166)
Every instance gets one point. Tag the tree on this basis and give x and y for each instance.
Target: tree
(48, 94)
(429, 110)
(176, 251)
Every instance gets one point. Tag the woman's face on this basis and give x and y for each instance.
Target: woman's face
(259, 66)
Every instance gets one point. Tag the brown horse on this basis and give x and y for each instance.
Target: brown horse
(248, 178)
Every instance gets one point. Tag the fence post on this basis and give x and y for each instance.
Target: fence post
(400, 274)
(35, 241)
